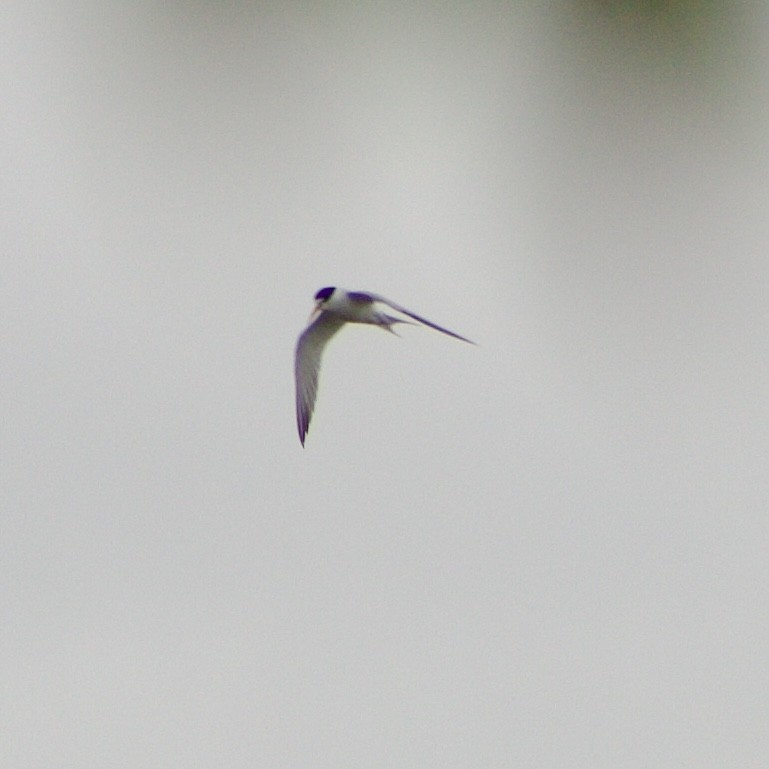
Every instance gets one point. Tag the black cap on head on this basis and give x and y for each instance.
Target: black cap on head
(324, 294)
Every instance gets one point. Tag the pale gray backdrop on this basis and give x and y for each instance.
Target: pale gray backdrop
(550, 550)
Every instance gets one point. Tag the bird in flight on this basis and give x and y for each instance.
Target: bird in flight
(333, 308)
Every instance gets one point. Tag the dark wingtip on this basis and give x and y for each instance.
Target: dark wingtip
(461, 338)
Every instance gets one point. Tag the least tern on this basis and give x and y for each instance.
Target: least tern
(333, 308)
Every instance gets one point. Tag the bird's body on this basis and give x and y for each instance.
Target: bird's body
(333, 308)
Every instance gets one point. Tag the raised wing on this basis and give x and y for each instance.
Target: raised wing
(419, 318)
(309, 350)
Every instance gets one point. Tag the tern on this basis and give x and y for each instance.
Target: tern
(333, 308)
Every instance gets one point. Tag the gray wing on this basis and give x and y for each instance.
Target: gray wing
(309, 350)
(398, 308)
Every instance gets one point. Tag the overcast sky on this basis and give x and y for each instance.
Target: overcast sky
(549, 550)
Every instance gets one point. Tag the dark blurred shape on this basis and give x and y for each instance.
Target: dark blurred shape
(691, 38)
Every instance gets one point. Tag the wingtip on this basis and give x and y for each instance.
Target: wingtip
(463, 338)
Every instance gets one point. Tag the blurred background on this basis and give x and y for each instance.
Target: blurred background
(546, 551)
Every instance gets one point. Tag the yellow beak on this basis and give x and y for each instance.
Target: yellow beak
(314, 314)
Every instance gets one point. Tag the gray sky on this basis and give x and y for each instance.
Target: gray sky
(546, 551)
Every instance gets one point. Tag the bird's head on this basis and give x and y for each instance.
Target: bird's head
(324, 294)
(321, 297)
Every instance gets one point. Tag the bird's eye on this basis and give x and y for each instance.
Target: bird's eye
(324, 294)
